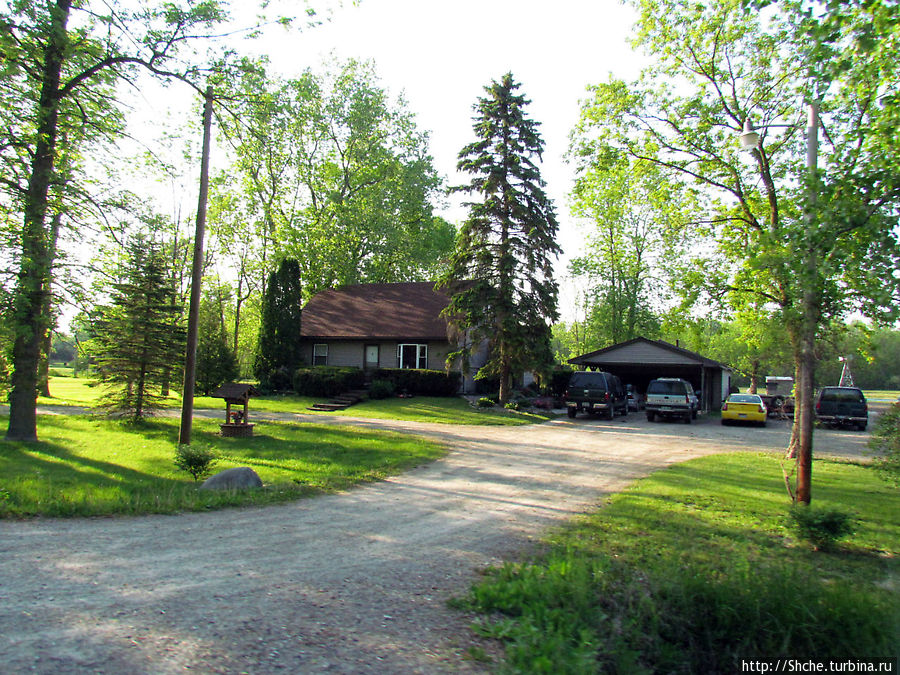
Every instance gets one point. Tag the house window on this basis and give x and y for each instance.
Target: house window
(412, 356)
(320, 354)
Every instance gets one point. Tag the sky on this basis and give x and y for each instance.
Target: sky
(441, 55)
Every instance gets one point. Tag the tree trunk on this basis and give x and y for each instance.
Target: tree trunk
(30, 322)
(754, 376)
(47, 340)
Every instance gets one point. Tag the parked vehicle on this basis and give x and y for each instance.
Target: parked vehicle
(595, 392)
(778, 397)
(636, 400)
(744, 408)
(842, 406)
(671, 397)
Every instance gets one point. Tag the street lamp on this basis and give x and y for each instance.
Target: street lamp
(809, 303)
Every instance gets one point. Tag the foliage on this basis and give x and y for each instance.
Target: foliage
(62, 62)
(216, 363)
(422, 381)
(637, 218)
(688, 572)
(294, 461)
(280, 346)
(327, 381)
(197, 460)
(559, 380)
(139, 338)
(335, 175)
(485, 402)
(814, 244)
(821, 527)
(885, 444)
(500, 277)
(380, 389)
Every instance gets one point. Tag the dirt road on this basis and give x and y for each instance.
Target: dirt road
(349, 583)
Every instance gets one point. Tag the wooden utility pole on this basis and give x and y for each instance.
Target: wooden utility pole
(190, 357)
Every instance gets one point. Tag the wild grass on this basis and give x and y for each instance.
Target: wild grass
(84, 392)
(86, 466)
(696, 568)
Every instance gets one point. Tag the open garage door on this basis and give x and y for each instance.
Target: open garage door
(640, 360)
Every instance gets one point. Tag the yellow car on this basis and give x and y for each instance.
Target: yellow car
(744, 408)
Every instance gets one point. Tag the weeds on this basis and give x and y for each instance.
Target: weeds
(692, 571)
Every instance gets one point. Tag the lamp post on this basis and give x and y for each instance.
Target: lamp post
(810, 306)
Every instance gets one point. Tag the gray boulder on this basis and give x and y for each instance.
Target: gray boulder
(238, 478)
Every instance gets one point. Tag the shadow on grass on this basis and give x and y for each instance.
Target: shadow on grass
(90, 466)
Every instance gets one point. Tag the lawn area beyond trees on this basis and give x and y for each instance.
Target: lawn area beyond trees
(85, 392)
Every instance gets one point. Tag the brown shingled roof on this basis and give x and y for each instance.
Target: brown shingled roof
(376, 311)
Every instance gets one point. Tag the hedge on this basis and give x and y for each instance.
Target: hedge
(420, 381)
(326, 381)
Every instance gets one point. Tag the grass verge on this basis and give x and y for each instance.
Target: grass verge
(84, 392)
(694, 569)
(86, 466)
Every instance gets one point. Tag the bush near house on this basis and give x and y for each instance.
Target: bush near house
(420, 381)
(326, 381)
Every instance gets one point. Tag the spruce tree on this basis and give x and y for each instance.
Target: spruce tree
(139, 337)
(500, 276)
(280, 351)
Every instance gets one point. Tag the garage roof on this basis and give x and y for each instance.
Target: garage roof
(644, 352)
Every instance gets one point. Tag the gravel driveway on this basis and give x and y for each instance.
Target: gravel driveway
(349, 583)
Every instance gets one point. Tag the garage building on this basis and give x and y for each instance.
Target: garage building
(640, 360)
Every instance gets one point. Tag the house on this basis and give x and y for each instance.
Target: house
(372, 326)
(640, 360)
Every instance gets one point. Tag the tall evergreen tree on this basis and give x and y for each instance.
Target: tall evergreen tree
(279, 332)
(138, 337)
(500, 276)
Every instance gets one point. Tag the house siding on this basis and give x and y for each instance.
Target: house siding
(351, 353)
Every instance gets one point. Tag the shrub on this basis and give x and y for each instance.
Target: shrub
(381, 389)
(326, 381)
(821, 526)
(485, 402)
(885, 445)
(420, 381)
(559, 379)
(197, 460)
(278, 379)
(513, 405)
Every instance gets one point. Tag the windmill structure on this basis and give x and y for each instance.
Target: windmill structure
(846, 375)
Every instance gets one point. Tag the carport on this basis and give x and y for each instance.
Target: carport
(640, 360)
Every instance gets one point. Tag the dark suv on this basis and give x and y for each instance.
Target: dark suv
(842, 406)
(595, 392)
(671, 397)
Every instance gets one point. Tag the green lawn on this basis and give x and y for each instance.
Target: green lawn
(695, 568)
(92, 466)
(79, 391)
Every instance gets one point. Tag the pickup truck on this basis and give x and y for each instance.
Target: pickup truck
(842, 406)
(671, 397)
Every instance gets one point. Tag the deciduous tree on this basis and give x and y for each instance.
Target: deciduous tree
(815, 247)
(61, 59)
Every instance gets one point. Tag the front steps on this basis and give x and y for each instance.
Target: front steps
(341, 402)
